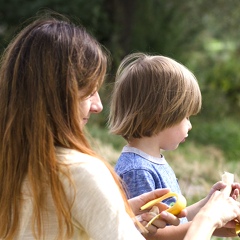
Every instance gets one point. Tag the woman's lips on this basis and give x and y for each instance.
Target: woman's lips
(85, 120)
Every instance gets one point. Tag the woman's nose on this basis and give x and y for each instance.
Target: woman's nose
(96, 106)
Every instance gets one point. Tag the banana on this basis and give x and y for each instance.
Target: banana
(177, 207)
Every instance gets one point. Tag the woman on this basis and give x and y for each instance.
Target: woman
(52, 184)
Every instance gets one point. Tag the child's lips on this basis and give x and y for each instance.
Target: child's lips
(184, 140)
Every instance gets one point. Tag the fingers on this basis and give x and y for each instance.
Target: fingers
(152, 228)
(170, 218)
(230, 224)
(235, 194)
(182, 214)
(221, 185)
(218, 186)
(222, 215)
(235, 190)
(161, 206)
(147, 197)
(164, 219)
(137, 202)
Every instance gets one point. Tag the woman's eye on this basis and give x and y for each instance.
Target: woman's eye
(90, 95)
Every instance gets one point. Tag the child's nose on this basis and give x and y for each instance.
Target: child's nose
(189, 126)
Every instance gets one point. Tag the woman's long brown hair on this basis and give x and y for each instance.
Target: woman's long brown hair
(42, 71)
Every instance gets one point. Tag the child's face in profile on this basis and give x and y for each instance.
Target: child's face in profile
(171, 137)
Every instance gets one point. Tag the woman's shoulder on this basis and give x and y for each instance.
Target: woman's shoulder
(71, 156)
(76, 161)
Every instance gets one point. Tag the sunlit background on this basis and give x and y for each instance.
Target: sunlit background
(203, 35)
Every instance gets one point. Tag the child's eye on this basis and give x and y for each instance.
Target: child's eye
(188, 118)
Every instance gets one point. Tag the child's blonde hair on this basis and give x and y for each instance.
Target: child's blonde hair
(151, 93)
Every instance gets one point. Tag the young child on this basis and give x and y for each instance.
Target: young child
(152, 101)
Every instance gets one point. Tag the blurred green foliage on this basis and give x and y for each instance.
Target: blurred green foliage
(222, 133)
(203, 35)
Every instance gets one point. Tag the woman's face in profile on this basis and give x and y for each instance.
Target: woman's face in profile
(91, 104)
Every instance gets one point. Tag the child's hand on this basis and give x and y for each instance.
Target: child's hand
(218, 186)
(235, 191)
(221, 185)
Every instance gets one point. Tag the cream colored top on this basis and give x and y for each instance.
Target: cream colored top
(98, 211)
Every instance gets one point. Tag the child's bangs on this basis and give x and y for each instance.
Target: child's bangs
(194, 102)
